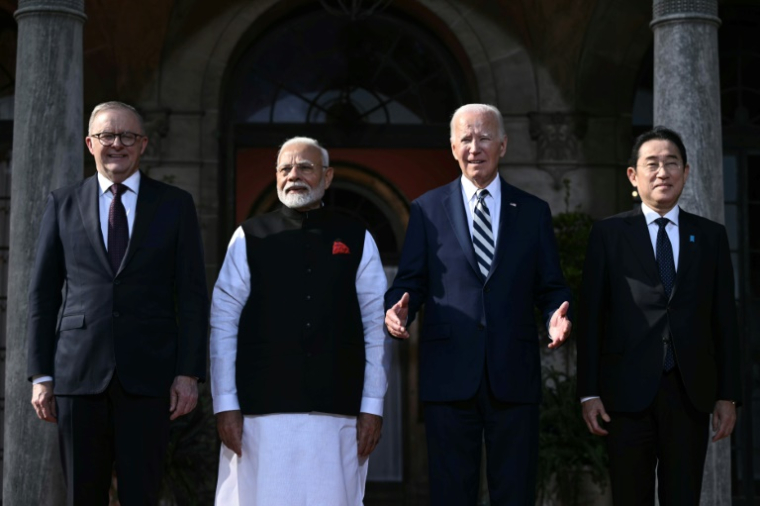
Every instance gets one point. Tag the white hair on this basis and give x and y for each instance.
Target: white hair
(107, 106)
(480, 109)
(309, 142)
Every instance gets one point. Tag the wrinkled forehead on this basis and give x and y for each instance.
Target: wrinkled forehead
(300, 153)
(470, 122)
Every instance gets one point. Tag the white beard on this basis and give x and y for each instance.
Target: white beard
(300, 200)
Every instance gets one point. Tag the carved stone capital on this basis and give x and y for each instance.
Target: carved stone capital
(74, 8)
(156, 128)
(557, 135)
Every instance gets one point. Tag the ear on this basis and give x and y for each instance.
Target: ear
(88, 141)
(503, 146)
(143, 144)
(453, 150)
(631, 173)
(328, 177)
(685, 172)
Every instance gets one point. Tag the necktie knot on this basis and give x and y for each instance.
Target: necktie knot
(481, 193)
(118, 189)
(662, 222)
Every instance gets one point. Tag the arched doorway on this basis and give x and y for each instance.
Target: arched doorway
(378, 94)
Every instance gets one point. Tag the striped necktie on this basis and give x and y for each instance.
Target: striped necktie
(482, 234)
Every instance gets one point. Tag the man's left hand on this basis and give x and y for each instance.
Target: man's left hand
(559, 326)
(724, 419)
(368, 428)
(183, 396)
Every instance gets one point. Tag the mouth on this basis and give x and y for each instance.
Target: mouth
(297, 188)
(116, 156)
(475, 162)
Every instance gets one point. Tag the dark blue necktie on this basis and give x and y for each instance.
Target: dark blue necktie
(667, 267)
(118, 228)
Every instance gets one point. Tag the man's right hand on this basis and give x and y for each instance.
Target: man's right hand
(395, 318)
(592, 410)
(230, 427)
(43, 401)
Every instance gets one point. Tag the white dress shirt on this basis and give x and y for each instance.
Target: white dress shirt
(493, 202)
(231, 294)
(128, 198)
(650, 215)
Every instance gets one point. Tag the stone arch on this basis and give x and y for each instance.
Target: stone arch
(183, 101)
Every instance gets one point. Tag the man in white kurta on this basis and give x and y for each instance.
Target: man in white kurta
(308, 458)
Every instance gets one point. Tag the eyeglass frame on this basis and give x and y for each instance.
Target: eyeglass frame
(119, 135)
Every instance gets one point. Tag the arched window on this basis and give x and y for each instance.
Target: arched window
(359, 77)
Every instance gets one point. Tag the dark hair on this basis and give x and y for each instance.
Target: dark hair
(657, 133)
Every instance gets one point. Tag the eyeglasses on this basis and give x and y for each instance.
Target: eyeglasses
(305, 168)
(668, 165)
(107, 138)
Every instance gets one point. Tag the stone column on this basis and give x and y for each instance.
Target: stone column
(687, 99)
(47, 153)
(687, 94)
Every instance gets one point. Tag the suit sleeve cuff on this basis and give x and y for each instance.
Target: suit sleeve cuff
(42, 379)
(227, 402)
(584, 399)
(372, 405)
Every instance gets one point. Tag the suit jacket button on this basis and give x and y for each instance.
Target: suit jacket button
(116, 281)
(116, 314)
(487, 289)
(481, 326)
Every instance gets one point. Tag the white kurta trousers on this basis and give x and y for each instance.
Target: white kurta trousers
(300, 459)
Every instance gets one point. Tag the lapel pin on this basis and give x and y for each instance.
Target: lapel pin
(513, 204)
(691, 238)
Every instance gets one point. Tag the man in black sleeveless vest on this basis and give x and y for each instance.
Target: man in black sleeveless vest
(298, 361)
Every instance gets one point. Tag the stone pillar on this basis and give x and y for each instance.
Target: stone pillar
(47, 153)
(687, 94)
(687, 99)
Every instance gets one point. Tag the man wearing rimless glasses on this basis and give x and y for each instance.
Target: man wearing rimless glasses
(118, 314)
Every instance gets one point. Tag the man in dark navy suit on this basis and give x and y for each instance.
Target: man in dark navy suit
(118, 315)
(658, 346)
(480, 254)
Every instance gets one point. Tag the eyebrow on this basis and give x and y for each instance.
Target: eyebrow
(655, 157)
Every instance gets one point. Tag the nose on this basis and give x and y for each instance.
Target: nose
(294, 174)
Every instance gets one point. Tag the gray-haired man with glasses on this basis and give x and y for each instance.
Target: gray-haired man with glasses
(298, 362)
(118, 313)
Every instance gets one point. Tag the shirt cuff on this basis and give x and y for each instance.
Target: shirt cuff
(584, 399)
(227, 402)
(372, 405)
(42, 379)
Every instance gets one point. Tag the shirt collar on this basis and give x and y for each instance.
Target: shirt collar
(650, 214)
(132, 183)
(494, 188)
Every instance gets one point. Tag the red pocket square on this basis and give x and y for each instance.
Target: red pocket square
(340, 249)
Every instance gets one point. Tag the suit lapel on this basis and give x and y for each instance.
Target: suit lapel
(641, 244)
(148, 199)
(89, 208)
(688, 235)
(453, 205)
(507, 215)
